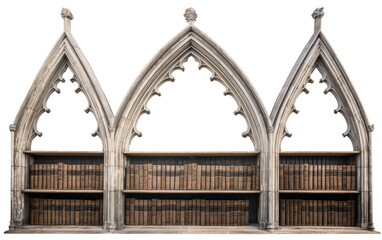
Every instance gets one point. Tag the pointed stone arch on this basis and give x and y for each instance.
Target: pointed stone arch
(191, 42)
(66, 54)
(318, 54)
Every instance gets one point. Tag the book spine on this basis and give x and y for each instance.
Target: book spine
(224, 175)
(286, 176)
(132, 211)
(141, 176)
(159, 175)
(44, 181)
(353, 177)
(291, 176)
(335, 177)
(303, 212)
(74, 176)
(155, 176)
(282, 212)
(177, 174)
(203, 175)
(164, 180)
(127, 211)
(324, 212)
(82, 175)
(150, 176)
(319, 180)
(145, 177)
(323, 179)
(198, 176)
(168, 175)
(311, 180)
(181, 175)
(154, 211)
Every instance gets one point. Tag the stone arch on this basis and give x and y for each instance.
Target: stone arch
(191, 42)
(65, 54)
(318, 54)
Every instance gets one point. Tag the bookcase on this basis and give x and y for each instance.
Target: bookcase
(64, 188)
(261, 191)
(318, 188)
(203, 189)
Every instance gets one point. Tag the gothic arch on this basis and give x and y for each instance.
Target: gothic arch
(319, 54)
(192, 42)
(65, 54)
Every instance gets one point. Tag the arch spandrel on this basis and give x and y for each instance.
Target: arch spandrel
(191, 42)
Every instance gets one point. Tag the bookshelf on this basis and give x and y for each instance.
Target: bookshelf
(196, 185)
(261, 191)
(315, 184)
(64, 188)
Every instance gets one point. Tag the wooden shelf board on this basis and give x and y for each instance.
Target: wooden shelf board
(184, 154)
(61, 191)
(318, 153)
(320, 191)
(64, 153)
(193, 191)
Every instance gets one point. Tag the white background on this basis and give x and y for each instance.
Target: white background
(119, 38)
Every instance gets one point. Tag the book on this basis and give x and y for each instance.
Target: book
(282, 212)
(291, 177)
(353, 177)
(145, 176)
(150, 176)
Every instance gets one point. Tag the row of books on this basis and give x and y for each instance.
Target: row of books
(317, 177)
(303, 212)
(66, 176)
(192, 176)
(203, 212)
(46, 211)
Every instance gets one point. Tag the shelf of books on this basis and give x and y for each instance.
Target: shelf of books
(65, 188)
(203, 189)
(318, 189)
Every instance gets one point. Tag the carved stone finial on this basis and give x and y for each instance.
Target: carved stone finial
(12, 127)
(67, 15)
(370, 128)
(317, 15)
(190, 15)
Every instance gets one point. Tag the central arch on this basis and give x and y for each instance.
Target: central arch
(191, 42)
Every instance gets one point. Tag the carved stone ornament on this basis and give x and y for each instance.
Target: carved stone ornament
(318, 13)
(12, 127)
(66, 13)
(190, 15)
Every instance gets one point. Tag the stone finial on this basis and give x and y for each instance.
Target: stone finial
(12, 127)
(190, 15)
(317, 15)
(67, 15)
